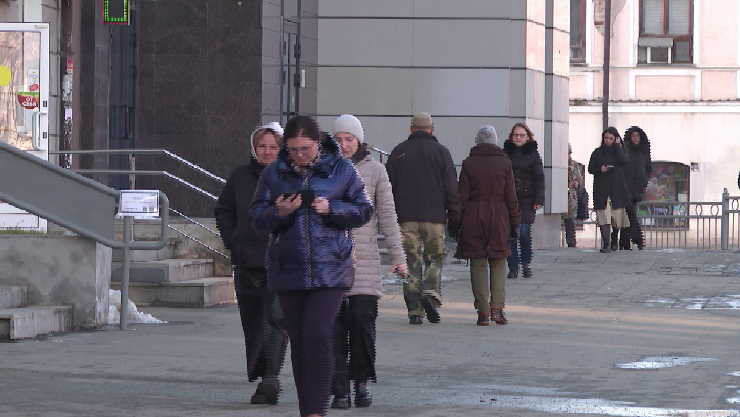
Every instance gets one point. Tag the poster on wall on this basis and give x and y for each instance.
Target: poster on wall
(669, 182)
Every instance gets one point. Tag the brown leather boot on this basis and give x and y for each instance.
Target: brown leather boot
(482, 319)
(497, 315)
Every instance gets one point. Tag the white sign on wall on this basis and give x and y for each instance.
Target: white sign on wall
(139, 203)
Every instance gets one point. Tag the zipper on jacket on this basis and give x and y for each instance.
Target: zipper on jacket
(306, 229)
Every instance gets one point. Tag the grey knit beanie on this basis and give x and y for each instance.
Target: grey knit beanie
(486, 134)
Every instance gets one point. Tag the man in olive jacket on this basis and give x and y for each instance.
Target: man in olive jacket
(425, 191)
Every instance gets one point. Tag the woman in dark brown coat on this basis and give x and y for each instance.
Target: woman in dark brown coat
(489, 218)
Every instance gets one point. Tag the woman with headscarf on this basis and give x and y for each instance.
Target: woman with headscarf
(354, 329)
(575, 182)
(490, 217)
(259, 310)
(309, 200)
(610, 194)
(529, 181)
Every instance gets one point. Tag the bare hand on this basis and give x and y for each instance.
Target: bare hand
(320, 205)
(286, 206)
(536, 207)
(400, 269)
(604, 168)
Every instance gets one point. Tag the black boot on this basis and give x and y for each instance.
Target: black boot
(624, 238)
(604, 228)
(614, 239)
(363, 398)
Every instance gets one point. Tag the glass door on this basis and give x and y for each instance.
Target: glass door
(24, 102)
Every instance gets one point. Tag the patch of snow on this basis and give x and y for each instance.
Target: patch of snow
(134, 315)
(659, 362)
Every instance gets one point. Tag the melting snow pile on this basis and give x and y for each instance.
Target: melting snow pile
(658, 362)
(134, 315)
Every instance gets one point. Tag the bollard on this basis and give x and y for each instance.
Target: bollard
(725, 222)
(127, 223)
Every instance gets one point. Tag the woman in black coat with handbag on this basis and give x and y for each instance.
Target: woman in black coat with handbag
(610, 194)
(529, 181)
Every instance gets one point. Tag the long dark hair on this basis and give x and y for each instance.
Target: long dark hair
(302, 126)
(613, 131)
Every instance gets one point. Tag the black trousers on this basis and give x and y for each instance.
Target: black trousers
(354, 342)
(635, 228)
(265, 338)
(309, 320)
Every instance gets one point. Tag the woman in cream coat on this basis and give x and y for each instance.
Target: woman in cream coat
(354, 329)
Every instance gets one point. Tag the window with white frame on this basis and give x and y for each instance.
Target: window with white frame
(577, 31)
(666, 32)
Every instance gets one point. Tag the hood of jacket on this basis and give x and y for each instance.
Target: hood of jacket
(272, 126)
(330, 155)
(486, 149)
(526, 149)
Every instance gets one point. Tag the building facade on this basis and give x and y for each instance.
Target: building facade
(196, 77)
(675, 72)
(468, 63)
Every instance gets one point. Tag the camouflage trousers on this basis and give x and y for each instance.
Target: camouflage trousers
(424, 244)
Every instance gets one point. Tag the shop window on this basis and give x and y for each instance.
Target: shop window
(577, 31)
(666, 32)
(669, 182)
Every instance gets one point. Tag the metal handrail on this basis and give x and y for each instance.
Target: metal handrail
(167, 174)
(381, 152)
(126, 245)
(143, 152)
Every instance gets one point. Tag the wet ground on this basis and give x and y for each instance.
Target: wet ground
(627, 334)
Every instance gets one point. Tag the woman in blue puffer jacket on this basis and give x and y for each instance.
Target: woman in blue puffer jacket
(310, 253)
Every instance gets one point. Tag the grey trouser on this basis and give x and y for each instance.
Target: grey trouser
(484, 281)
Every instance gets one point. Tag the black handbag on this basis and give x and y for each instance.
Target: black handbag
(582, 210)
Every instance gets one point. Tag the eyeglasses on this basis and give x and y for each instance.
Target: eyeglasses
(519, 135)
(304, 150)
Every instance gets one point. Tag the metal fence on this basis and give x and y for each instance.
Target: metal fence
(677, 224)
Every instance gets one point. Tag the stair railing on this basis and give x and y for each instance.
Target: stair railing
(133, 173)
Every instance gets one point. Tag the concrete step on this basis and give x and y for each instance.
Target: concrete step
(25, 322)
(201, 292)
(13, 296)
(166, 270)
(166, 252)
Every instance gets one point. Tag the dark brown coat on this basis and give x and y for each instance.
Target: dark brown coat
(489, 204)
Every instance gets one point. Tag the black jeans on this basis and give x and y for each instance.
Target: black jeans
(309, 320)
(354, 342)
(265, 339)
(635, 228)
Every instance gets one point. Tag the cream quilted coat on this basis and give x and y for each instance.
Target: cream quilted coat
(367, 258)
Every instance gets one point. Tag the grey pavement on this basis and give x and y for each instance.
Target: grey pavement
(576, 331)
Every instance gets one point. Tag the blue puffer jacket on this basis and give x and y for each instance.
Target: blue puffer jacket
(307, 250)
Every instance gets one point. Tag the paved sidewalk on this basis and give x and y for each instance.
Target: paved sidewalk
(575, 330)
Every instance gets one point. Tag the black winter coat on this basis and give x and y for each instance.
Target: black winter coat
(307, 250)
(489, 204)
(635, 173)
(529, 177)
(424, 182)
(247, 244)
(611, 183)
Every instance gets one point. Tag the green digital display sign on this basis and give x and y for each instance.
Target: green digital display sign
(115, 12)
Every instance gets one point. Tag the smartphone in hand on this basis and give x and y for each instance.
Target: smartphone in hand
(307, 197)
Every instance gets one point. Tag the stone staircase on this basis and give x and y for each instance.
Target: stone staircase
(159, 278)
(18, 320)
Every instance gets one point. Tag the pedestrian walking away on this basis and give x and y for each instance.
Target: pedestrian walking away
(529, 181)
(610, 194)
(265, 338)
(354, 329)
(309, 200)
(490, 216)
(424, 182)
(636, 174)
(575, 183)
